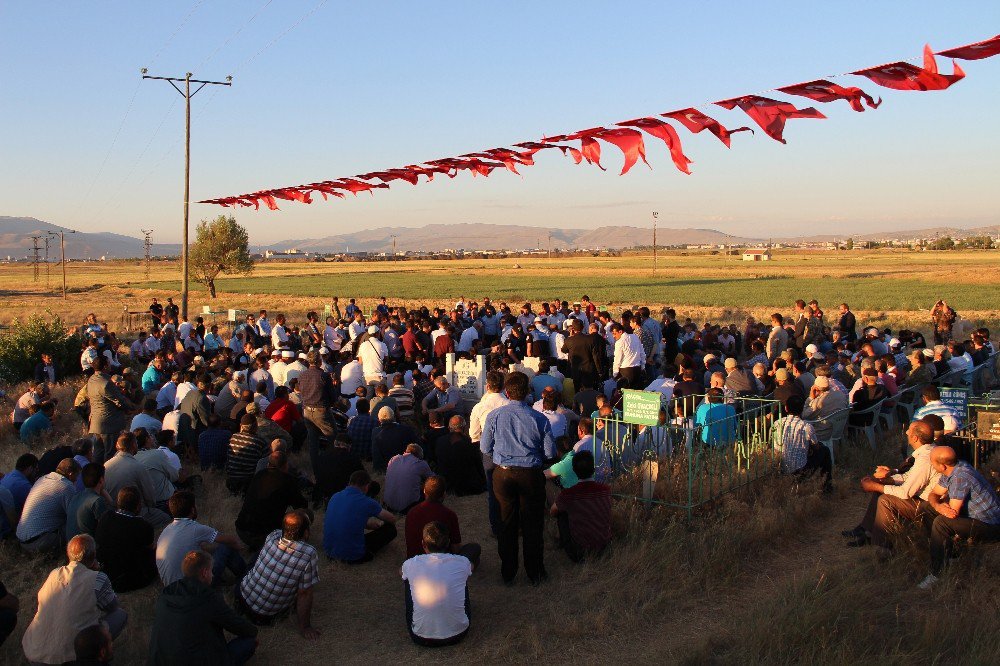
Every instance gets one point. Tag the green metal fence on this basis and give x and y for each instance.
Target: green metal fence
(695, 457)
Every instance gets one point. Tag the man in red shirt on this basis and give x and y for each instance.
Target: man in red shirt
(583, 512)
(432, 510)
(283, 411)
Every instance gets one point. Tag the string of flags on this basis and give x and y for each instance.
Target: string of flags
(770, 115)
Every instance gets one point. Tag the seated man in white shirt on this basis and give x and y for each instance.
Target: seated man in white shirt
(437, 591)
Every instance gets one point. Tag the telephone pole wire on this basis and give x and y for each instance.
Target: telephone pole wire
(187, 94)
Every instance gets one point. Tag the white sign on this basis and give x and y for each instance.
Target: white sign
(468, 376)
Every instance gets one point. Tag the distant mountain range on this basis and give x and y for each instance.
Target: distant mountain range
(16, 232)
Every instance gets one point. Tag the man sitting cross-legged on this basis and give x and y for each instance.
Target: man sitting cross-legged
(283, 577)
(962, 504)
(437, 591)
(896, 493)
(348, 515)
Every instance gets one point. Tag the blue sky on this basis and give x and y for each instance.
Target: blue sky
(330, 89)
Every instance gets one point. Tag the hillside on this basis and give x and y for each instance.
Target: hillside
(16, 232)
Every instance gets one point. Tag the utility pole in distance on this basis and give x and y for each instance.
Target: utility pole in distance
(187, 94)
(35, 256)
(62, 250)
(47, 271)
(655, 215)
(147, 246)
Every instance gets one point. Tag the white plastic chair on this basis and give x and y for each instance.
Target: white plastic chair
(838, 424)
(870, 429)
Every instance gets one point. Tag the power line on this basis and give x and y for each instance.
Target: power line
(176, 30)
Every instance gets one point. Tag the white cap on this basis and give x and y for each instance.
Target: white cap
(811, 349)
(386, 414)
(928, 352)
(711, 357)
(894, 342)
(302, 355)
(538, 320)
(287, 353)
(373, 330)
(257, 352)
(324, 350)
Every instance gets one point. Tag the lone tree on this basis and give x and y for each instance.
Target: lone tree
(220, 246)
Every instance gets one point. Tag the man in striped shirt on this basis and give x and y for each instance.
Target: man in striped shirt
(933, 405)
(801, 452)
(246, 448)
(583, 512)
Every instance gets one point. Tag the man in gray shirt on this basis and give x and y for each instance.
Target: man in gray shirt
(124, 470)
(108, 410)
(404, 479)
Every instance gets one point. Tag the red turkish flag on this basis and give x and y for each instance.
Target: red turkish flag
(825, 91)
(292, 194)
(668, 134)
(392, 174)
(984, 49)
(246, 202)
(769, 113)
(696, 121)
(904, 76)
(630, 142)
(325, 189)
(267, 198)
(590, 150)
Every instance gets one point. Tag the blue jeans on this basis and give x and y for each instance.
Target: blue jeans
(241, 649)
(491, 502)
(224, 558)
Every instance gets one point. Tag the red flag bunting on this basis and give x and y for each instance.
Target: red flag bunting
(696, 121)
(904, 76)
(769, 113)
(630, 142)
(984, 49)
(825, 91)
(668, 134)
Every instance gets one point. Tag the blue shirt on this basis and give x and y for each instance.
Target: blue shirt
(152, 379)
(213, 448)
(344, 524)
(968, 485)
(18, 485)
(717, 422)
(540, 381)
(515, 435)
(35, 425)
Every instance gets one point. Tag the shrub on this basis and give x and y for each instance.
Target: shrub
(22, 345)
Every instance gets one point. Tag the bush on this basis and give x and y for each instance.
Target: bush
(22, 345)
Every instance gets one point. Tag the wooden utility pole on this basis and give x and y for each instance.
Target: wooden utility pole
(655, 215)
(62, 252)
(187, 94)
(147, 246)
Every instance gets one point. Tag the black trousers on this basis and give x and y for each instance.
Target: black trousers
(520, 492)
(819, 460)
(375, 541)
(573, 550)
(631, 377)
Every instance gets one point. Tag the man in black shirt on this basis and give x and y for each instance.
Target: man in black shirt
(585, 356)
(155, 312)
(126, 548)
(460, 461)
(389, 439)
(333, 469)
(268, 497)
(848, 323)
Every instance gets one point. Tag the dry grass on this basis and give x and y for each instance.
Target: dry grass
(760, 577)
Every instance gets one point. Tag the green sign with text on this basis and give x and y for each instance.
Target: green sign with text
(641, 407)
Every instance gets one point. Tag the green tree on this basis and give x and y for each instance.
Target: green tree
(220, 246)
(850, 244)
(943, 243)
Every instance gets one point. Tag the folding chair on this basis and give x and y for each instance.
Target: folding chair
(870, 429)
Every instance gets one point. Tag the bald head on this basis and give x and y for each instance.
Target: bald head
(944, 456)
(82, 548)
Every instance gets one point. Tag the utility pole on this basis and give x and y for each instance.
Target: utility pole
(62, 249)
(550, 245)
(147, 246)
(187, 94)
(35, 256)
(393, 236)
(655, 215)
(47, 271)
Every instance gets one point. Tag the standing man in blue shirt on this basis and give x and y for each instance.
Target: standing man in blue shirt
(963, 504)
(519, 441)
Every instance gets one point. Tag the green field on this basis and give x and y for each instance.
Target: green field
(878, 290)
